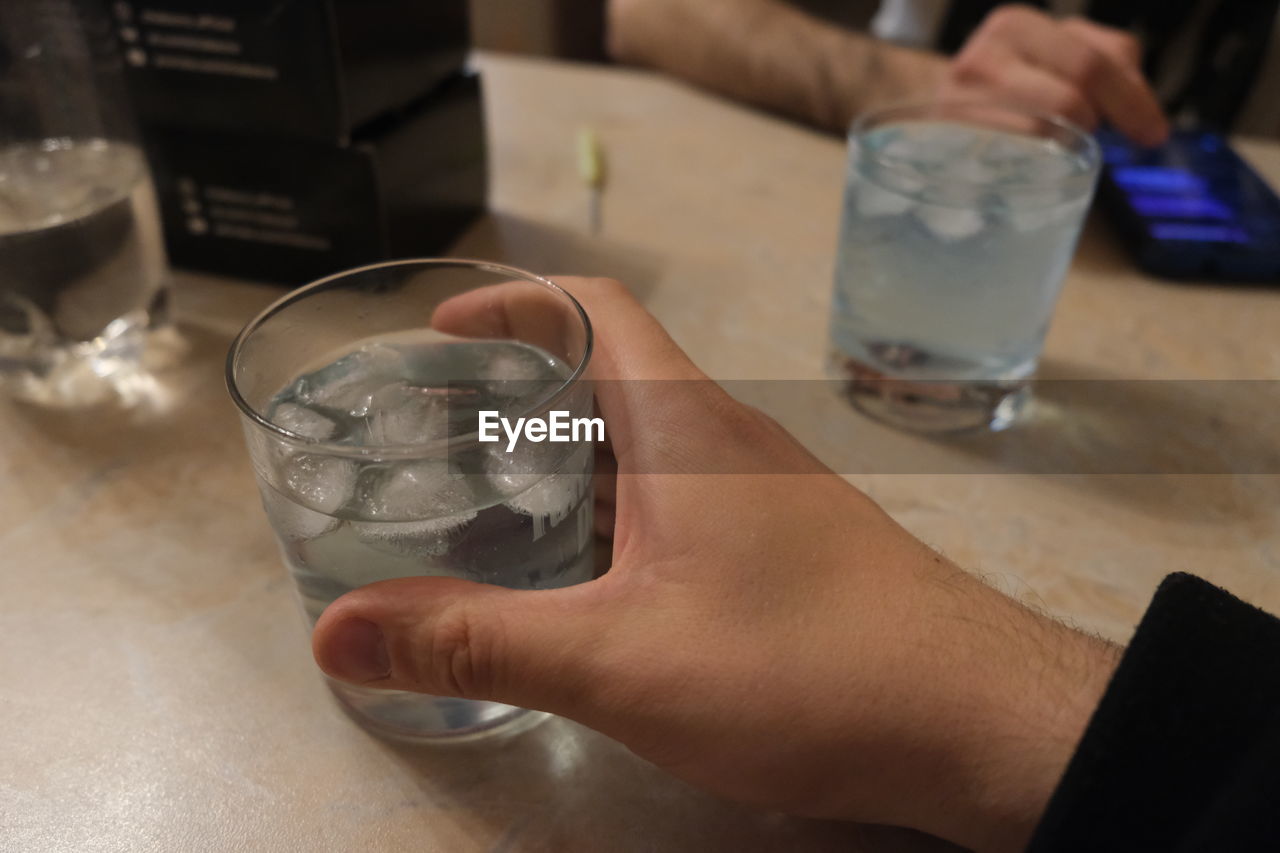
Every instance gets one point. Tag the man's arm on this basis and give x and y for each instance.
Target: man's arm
(769, 54)
(772, 55)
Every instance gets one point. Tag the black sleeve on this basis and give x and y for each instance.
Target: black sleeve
(1183, 752)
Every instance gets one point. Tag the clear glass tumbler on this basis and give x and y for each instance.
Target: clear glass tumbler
(959, 223)
(82, 265)
(361, 397)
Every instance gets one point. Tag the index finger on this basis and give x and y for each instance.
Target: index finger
(519, 309)
(1104, 64)
(629, 344)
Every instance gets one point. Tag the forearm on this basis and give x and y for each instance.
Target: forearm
(772, 55)
(1036, 687)
(992, 700)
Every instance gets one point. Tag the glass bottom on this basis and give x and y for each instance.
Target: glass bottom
(73, 374)
(931, 405)
(416, 717)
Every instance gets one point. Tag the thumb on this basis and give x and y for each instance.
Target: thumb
(449, 637)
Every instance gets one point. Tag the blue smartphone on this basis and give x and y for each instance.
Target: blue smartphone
(1192, 208)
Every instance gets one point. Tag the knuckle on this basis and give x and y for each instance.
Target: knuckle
(1065, 102)
(1090, 66)
(1075, 23)
(455, 656)
(610, 285)
(970, 66)
(1128, 44)
(1007, 18)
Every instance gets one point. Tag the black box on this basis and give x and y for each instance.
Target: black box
(311, 68)
(291, 210)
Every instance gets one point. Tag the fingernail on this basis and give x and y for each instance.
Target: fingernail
(358, 652)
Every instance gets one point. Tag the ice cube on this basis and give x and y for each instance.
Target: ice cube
(349, 383)
(923, 146)
(516, 370)
(1030, 210)
(400, 413)
(414, 508)
(872, 201)
(346, 560)
(1006, 151)
(302, 421)
(429, 538)
(323, 483)
(294, 521)
(508, 477)
(969, 171)
(518, 361)
(1051, 162)
(412, 491)
(1022, 160)
(950, 224)
(551, 497)
(539, 482)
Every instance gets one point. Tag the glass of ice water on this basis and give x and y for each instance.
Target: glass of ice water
(82, 265)
(959, 223)
(360, 397)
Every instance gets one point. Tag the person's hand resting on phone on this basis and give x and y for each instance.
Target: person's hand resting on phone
(1075, 68)
(774, 638)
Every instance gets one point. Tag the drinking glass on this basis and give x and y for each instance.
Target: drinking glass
(360, 397)
(82, 265)
(959, 223)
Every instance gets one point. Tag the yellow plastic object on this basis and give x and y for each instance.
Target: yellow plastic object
(591, 171)
(590, 158)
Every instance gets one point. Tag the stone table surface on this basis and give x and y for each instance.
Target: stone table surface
(156, 689)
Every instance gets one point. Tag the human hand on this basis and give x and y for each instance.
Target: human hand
(1073, 67)
(773, 637)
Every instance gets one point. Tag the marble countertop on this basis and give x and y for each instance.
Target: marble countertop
(156, 688)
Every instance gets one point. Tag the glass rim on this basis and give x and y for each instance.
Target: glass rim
(399, 451)
(1091, 150)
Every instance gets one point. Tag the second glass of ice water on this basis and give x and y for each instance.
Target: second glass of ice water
(83, 279)
(360, 396)
(959, 223)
